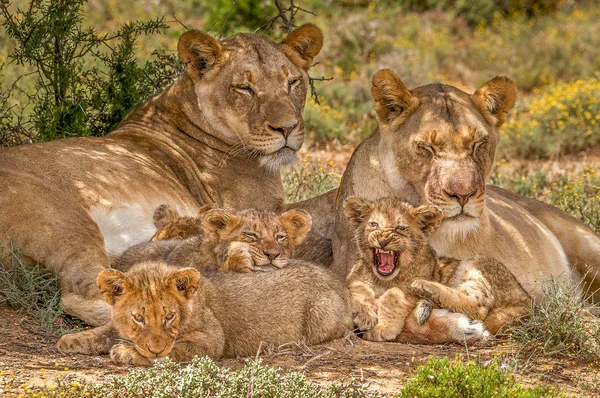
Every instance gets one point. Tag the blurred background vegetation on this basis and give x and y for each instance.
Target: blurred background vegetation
(76, 67)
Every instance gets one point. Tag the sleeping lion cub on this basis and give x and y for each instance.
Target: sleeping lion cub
(243, 241)
(163, 311)
(397, 267)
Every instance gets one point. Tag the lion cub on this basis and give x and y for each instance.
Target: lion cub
(397, 267)
(242, 241)
(163, 311)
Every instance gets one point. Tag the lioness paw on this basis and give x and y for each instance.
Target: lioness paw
(468, 331)
(123, 354)
(381, 333)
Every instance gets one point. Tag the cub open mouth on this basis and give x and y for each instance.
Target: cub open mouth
(385, 261)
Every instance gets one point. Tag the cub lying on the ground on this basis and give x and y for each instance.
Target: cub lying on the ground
(397, 267)
(243, 241)
(159, 311)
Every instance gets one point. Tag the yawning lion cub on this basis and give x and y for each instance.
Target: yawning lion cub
(397, 267)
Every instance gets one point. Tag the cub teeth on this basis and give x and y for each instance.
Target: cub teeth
(383, 251)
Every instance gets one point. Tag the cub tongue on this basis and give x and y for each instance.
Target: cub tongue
(385, 261)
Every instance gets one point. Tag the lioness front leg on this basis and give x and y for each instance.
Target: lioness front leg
(125, 354)
(238, 258)
(472, 298)
(94, 341)
(364, 305)
(198, 344)
(393, 308)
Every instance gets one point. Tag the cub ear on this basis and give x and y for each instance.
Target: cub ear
(392, 98)
(302, 44)
(199, 51)
(219, 221)
(428, 217)
(495, 98)
(297, 224)
(163, 215)
(112, 284)
(185, 281)
(357, 209)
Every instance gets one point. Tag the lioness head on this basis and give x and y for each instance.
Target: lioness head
(390, 232)
(150, 303)
(438, 142)
(271, 238)
(251, 91)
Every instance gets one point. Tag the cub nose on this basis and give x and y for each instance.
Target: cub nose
(156, 348)
(461, 198)
(271, 254)
(383, 242)
(284, 128)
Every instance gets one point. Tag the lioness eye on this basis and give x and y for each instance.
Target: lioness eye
(401, 228)
(251, 235)
(477, 144)
(373, 224)
(294, 83)
(139, 318)
(424, 146)
(244, 89)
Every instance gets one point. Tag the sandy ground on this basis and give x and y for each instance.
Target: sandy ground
(28, 359)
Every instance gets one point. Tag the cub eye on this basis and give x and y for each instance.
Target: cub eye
(373, 224)
(251, 235)
(169, 317)
(293, 83)
(139, 318)
(280, 237)
(401, 228)
(245, 89)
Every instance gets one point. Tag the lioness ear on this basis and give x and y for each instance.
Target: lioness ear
(357, 209)
(302, 44)
(199, 51)
(428, 217)
(163, 215)
(185, 281)
(392, 98)
(112, 284)
(495, 98)
(219, 221)
(297, 223)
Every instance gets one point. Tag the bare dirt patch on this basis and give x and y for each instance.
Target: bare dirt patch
(28, 359)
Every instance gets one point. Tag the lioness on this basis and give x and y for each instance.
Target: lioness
(219, 135)
(436, 145)
(397, 267)
(242, 241)
(161, 311)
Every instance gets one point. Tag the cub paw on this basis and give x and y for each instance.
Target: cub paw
(424, 289)
(238, 259)
(380, 333)
(123, 354)
(73, 343)
(365, 319)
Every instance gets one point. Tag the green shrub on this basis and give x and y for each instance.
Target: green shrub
(442, 378)
(310, 179)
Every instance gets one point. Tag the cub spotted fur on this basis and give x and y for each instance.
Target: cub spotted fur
(163, 311)
(243, 241)
(397, 266)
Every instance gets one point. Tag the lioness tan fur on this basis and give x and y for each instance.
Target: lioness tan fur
(219, 135)
(161, 311)
(397, 267)
(436, 144)
(242, 241)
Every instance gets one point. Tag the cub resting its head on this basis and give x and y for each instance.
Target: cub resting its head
(398, 266)
(241, 241)
(163, 311)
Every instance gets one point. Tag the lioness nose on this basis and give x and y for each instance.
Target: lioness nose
(461, 198)
(284, 129)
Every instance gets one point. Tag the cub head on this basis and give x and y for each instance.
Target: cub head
(272, 238)
(438, 143)
(150, 303)
(171, 225)
(251, 91)
(390, 232)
